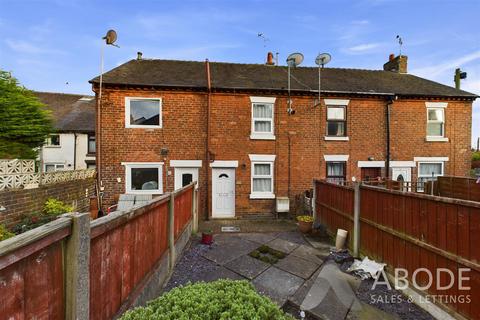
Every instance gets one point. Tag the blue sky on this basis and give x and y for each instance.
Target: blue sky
(47, 44)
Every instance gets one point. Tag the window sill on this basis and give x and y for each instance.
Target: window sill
(53, 147)
(328, 138)
(142, 127)
(144, 192)
(258, 136)
(436, 139)
(262, 196)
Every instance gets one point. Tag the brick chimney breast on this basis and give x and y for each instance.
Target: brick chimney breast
(396, 64)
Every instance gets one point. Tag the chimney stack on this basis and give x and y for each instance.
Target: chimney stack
(396, 64)
(270, 59)
(139, 55)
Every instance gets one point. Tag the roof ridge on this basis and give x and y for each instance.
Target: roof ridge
(63, 93)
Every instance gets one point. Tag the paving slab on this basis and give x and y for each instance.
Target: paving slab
(310, 254)
(247, 266)
(295, 237)
(260, 238)
(226, 250)
(277, 284)
(282, 245)
(328, 294)
(297, 266)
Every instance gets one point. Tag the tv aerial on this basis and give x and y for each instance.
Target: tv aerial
(400, 44)
(321, 60)
(293, 60)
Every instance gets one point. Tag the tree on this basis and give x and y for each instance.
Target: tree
(25, 122)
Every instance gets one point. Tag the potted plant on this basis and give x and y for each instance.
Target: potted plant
(305, 223)
(207, 237)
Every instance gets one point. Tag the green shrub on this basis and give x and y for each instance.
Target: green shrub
(31, 221)
(476, 156)
(54, 207)
(5, 233)
(221, 299)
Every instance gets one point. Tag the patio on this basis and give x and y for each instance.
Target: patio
(293, 281)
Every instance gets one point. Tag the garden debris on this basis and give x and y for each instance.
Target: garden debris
(366, 268)
(231, 229)
(341, 256)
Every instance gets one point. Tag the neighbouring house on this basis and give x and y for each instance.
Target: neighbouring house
(72, 147)
(164, 123)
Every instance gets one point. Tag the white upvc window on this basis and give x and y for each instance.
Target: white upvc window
(429, 171)
(262, 172)
(144, 177)
(435, 122)
(143, 112)
(52, 167)
(262, 118)
(53, 140)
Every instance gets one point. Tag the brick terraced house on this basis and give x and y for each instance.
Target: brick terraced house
(164, 123)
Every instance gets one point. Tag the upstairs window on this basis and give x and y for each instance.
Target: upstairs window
(91, 144)
(143, 112)
(336, 121)
(262, 118)
(53, 140)
(435, 122)
(336, 172)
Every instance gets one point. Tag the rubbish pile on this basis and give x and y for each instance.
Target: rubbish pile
(366, 268)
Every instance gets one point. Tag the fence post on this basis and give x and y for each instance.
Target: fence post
(356, 219)
(194, 208)
(171, 230)
(77, 268)
(316, 218)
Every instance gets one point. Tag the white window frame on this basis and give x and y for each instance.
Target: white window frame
(437, 106)
(55, 165)
(48, 142)
(127, 113)
(429, 176)
(263, 135)
(262, 159)
(128, 176)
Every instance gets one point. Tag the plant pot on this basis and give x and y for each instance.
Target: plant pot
(305, 227)
(207, 238)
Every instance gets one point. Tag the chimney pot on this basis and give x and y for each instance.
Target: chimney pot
(270, 59)
(139, 55)
(391, 57)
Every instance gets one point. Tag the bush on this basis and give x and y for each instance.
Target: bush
(5, 233)
(54, 207)
(31, 221)
(476, 156)
(221, 299)
(305, 218)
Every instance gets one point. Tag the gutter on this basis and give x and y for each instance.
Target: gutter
(207, 142)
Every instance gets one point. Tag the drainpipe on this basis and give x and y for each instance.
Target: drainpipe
(387, 121)
(207, 142)
(75, 151)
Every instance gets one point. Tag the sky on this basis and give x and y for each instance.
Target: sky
(54, 45)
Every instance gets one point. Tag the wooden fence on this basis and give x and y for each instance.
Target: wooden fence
(74, 268)
(457, 187)
(411, 231)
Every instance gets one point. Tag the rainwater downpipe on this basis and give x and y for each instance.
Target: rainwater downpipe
(387, 121)
(207, 142)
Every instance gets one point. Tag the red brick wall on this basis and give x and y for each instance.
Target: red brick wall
(19, 202)
(300, 135)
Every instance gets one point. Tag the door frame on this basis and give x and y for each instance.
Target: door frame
(193, 165)
(177, 175)
(216, 166)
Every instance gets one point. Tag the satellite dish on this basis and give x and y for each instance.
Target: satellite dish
(322, 59)
(294, 59)
(111, 37)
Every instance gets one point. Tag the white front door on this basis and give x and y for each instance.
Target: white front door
(223, 192)
(402, 174)
(183, 176)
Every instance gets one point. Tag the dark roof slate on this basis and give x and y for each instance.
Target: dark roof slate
(70, 112)
(192, 74)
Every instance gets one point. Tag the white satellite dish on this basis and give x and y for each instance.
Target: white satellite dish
(294, 59)
(322, 59)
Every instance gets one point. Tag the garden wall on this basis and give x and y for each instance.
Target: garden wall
(75, 268)
(18, 202)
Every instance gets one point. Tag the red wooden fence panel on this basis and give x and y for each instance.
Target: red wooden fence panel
(183, 210)
(412, 231)
(121, 257)
(31, 280)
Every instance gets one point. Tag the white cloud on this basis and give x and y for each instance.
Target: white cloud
(436, 70)
(22, 46)
(363, 47)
